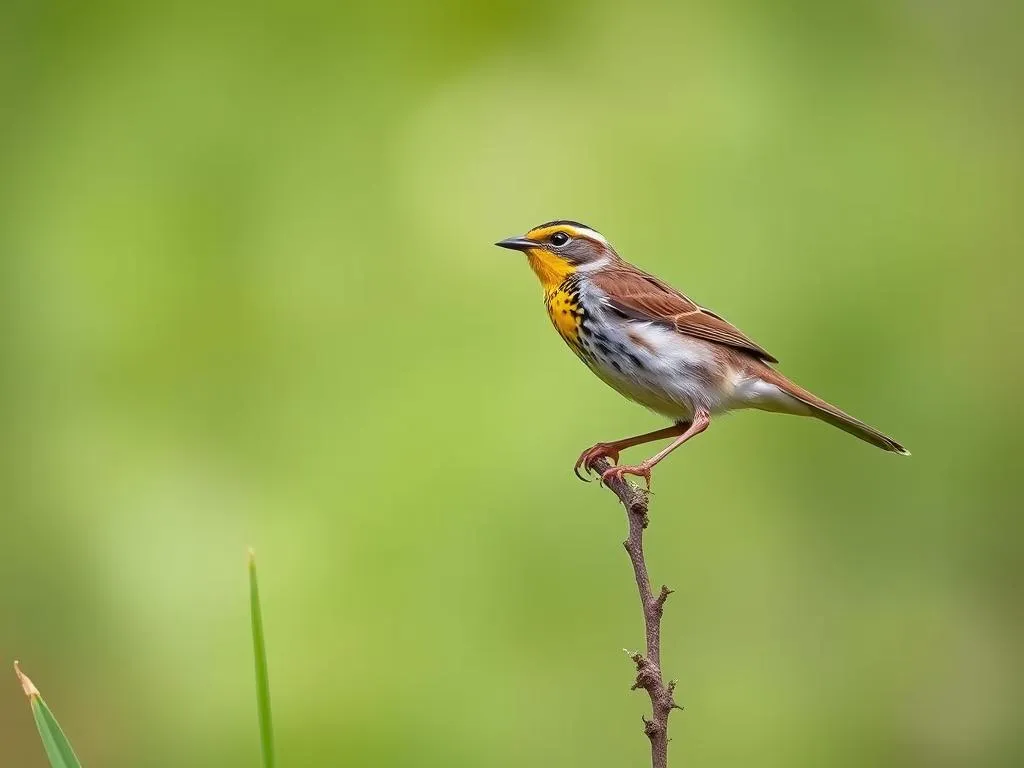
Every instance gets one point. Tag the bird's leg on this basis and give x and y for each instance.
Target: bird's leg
(611, 450)
(700, 422)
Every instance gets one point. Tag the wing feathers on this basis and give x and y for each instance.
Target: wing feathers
(644, 297)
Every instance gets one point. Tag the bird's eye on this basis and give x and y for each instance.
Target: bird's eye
(559, 239)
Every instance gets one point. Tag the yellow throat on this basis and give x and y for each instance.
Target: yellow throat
(550, 269)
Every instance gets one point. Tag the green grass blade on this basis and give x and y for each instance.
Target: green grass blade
(262, 678)
(58, 748)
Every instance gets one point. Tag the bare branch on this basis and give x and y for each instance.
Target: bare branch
(648, 665)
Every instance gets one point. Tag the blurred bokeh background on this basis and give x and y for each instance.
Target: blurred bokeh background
(248, 297)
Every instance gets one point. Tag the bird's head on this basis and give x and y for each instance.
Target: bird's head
(559, 248)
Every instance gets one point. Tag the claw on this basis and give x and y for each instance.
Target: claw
(589, 456)
(619, 473)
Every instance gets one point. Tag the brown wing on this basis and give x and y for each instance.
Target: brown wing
(640, 296)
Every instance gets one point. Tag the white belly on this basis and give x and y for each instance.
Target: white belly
(673, 374)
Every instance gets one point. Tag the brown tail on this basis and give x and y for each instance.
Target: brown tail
(832, 415)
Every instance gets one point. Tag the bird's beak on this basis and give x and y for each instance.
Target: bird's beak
(516, 243)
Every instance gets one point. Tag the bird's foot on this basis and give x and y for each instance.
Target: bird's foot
(619, 473)
(591, 455)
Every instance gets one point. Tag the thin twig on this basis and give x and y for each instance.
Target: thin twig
(648, 665)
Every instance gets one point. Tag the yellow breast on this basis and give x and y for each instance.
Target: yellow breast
(563, 310)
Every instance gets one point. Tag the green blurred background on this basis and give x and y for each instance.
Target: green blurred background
(248, 297)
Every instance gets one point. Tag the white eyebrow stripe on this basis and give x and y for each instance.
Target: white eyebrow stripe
(588, 233)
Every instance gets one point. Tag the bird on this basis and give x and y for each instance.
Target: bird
(657, 347)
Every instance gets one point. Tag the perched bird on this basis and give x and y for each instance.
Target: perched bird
(652, 344)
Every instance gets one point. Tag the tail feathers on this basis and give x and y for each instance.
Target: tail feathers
(837, 418)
